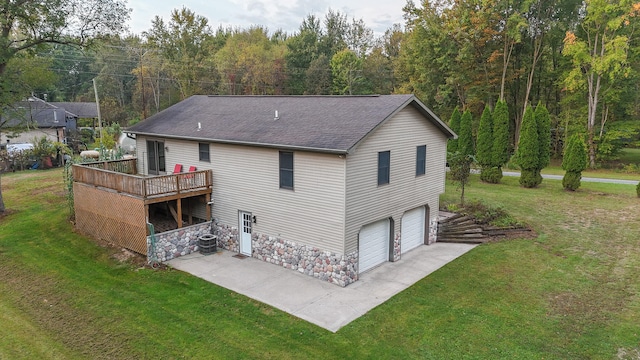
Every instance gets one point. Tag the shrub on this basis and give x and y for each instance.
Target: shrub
(529, 178)
(571, 180)
(491, 175)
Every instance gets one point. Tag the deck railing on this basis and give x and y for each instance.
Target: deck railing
(125, 166)
(142, 186)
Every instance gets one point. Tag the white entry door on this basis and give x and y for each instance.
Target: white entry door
(245, 233)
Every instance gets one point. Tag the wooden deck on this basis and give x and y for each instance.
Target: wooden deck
(112, 202)
(121, 177)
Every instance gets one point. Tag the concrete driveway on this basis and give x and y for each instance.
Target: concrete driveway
(326, 305)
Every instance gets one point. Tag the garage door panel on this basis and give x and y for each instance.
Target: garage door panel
(374, 245)
(412, 229)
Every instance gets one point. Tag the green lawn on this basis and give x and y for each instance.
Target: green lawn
(630, 155)
(572, 293)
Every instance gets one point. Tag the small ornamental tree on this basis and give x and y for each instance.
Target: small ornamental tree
(529, 151)
(460, 166)
(484, 147)
(544, 138)
(454, 124)
(465, 139)
(573, 162)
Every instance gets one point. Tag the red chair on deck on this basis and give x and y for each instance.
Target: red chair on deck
(178, 169)
(190, 176)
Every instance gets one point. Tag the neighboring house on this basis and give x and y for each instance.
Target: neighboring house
(82, 110)
(330, 186)
(34, 118)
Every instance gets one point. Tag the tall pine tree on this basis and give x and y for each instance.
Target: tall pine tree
(544, 139)
(484, 147)
(529, 150)
(465, 139)
(500, 146)
(500, 149)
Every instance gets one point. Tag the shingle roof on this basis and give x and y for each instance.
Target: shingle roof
(320, 123)
(36, 113)
(84, 110)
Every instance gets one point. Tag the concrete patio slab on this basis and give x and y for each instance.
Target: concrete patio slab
(326, 305)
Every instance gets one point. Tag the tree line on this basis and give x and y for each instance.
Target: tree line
(579, 59)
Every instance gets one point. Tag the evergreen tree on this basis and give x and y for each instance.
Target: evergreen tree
(454, 124)
(465, 139)
(573, 162)
(544, 138)
(501, 136)
(529, 150)
(484, 148)
(485, 138)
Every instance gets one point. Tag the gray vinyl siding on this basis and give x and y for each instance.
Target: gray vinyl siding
(367, 202)
(247, 178)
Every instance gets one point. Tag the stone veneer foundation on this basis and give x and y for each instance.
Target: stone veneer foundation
(176, 243)
(327, 266)
(308, 260)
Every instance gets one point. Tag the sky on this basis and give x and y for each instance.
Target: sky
(379, 15)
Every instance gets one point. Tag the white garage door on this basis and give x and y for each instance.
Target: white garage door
(412, 229)
(374, 245)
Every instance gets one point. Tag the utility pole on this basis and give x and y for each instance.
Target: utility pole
(95, 90)
(144, 105)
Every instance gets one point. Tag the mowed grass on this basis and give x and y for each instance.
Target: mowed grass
(572, 293)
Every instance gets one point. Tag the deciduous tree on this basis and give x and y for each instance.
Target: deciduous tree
(598, 53)
(27, 24)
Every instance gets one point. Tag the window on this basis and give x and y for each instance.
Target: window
(421, 160)
(286, 170)
(384, 159)
(203, 150)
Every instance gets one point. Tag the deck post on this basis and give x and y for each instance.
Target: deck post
(207, 200)
(179, 208)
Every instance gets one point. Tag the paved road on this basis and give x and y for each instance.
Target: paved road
(585, 179)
